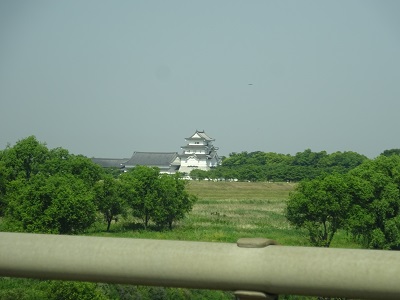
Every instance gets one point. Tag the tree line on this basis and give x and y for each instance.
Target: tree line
(52, 191)
(270, 166)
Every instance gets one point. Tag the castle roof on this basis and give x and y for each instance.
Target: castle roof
(200, 135)
(154, 159)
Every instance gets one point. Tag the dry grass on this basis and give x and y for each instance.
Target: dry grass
(240, 200)
(240, 190)
(241, 209)
(227, 211)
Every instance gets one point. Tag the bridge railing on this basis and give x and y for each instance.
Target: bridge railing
(254, 268)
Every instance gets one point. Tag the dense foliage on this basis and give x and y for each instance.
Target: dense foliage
(262, 166)
(173, 202)
(109, 196)
(52, 191)
(365, 202)
(375, 216)
(46, 190)
(161, 198)
(56, 204)
(321, 206)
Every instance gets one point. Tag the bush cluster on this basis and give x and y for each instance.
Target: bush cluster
(52, 191)
(365, 202)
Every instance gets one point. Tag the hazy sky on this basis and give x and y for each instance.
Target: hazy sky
(106, 78)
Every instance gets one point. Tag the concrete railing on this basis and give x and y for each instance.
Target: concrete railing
(255, 268)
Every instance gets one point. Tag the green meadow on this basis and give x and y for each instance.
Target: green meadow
(225, 212)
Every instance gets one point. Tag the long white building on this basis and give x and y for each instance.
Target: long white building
(198, 154)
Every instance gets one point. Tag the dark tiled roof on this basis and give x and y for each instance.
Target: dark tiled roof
(110, 162)
(202, 135)
(157, 159)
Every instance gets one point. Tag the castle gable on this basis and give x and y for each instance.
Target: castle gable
(200, 135)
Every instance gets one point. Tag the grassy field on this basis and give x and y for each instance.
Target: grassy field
(227, 211)
(240, 190)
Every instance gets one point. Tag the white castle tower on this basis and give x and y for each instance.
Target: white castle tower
(199, 153)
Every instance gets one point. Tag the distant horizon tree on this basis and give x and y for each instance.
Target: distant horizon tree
(390, 152)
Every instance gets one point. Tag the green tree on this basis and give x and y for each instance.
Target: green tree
(173, 200)
(390, 152)
(57, 162)
(143, 196)
(321, 207)
(236, 159)
(109, 198)
(46, 183)
(29, 157)
(375, 217)
(60, 204)
(308, 158)
(160, 198)
(4, 175)
(252, 173)
(25, 157)
(260, 166)
(341, 161)
(83, 168)
(272, 158)
(199, 174)
(60, 161)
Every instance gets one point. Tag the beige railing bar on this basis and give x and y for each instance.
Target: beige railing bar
(250, 266)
